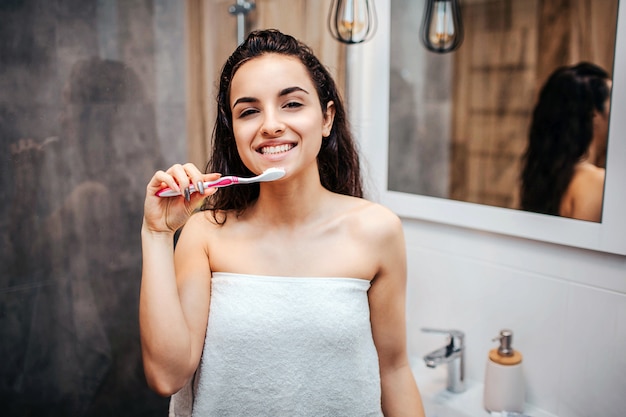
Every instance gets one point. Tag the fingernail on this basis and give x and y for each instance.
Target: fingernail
(201, 187)
(187, 194)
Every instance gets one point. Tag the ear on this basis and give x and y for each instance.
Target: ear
(329, 117)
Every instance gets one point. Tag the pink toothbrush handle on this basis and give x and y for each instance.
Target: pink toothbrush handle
(222, 182)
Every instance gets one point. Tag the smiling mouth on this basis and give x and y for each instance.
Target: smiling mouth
(273, 150)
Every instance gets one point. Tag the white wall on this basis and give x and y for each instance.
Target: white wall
(572, 334)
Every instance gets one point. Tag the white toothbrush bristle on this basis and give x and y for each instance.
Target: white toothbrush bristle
(272, 174)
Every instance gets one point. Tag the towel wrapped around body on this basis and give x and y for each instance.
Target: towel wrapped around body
(285, 346)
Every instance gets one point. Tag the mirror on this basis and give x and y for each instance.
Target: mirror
(369, 89)
(459, 123)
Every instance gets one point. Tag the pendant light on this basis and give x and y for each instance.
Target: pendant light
(352, 21)
(442, 27)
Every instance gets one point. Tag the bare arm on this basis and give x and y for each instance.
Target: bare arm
(175, 289)
(400, 396)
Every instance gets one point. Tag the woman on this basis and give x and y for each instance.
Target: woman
(567, 135)
(284, 298)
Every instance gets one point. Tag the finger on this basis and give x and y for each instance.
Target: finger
(195, 176)
(196, 180)
(180, 176)
(192, 170)
(210, 178)
(186, 175)
(205, 191)
(161, 180)
(205, 178)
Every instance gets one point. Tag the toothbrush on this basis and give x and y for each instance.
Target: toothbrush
(269, 174)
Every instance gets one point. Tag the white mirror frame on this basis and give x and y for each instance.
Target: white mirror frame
(368, 103)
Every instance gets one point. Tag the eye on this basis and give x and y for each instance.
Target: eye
(247, 112)
(293, 105)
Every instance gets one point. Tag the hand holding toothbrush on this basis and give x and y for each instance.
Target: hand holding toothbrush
(166, 215)
(188, 181)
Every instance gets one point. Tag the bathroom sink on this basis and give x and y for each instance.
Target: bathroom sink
(439, 402)
(447, 404)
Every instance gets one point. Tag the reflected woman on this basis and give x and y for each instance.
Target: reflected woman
(561, 174)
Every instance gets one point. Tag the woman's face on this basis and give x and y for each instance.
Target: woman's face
(276, 116)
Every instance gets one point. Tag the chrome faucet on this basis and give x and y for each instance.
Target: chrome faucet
(453, 354)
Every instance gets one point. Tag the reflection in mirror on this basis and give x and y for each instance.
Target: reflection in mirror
(563, 165)
(459, 123)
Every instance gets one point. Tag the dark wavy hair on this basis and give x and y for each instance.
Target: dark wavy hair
(561, 132)
(338, 159)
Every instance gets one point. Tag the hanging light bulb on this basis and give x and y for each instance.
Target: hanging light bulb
(442, 28)
(352, 21)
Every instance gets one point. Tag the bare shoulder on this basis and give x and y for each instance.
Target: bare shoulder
(371, 220)
(587, 183)
(194, 243)
(204, 218)
(372, 236)
(588, 174)
(583, 197)
(198, 227)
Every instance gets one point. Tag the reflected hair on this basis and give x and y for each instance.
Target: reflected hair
(338, 160)
(561, 133)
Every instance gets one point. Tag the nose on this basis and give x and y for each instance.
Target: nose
(272, 124)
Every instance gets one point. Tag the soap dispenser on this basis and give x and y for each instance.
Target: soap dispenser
(504, 380)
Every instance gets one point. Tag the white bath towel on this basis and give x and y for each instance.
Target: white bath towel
(285, 346)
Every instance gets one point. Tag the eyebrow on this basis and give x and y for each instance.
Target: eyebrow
(290, 90)
(283, 92)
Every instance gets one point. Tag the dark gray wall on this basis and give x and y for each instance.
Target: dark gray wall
(82, 85)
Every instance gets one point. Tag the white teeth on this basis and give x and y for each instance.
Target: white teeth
(275, 149)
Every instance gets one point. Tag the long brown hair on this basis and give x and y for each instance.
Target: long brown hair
(561, 132)
(338, 159)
